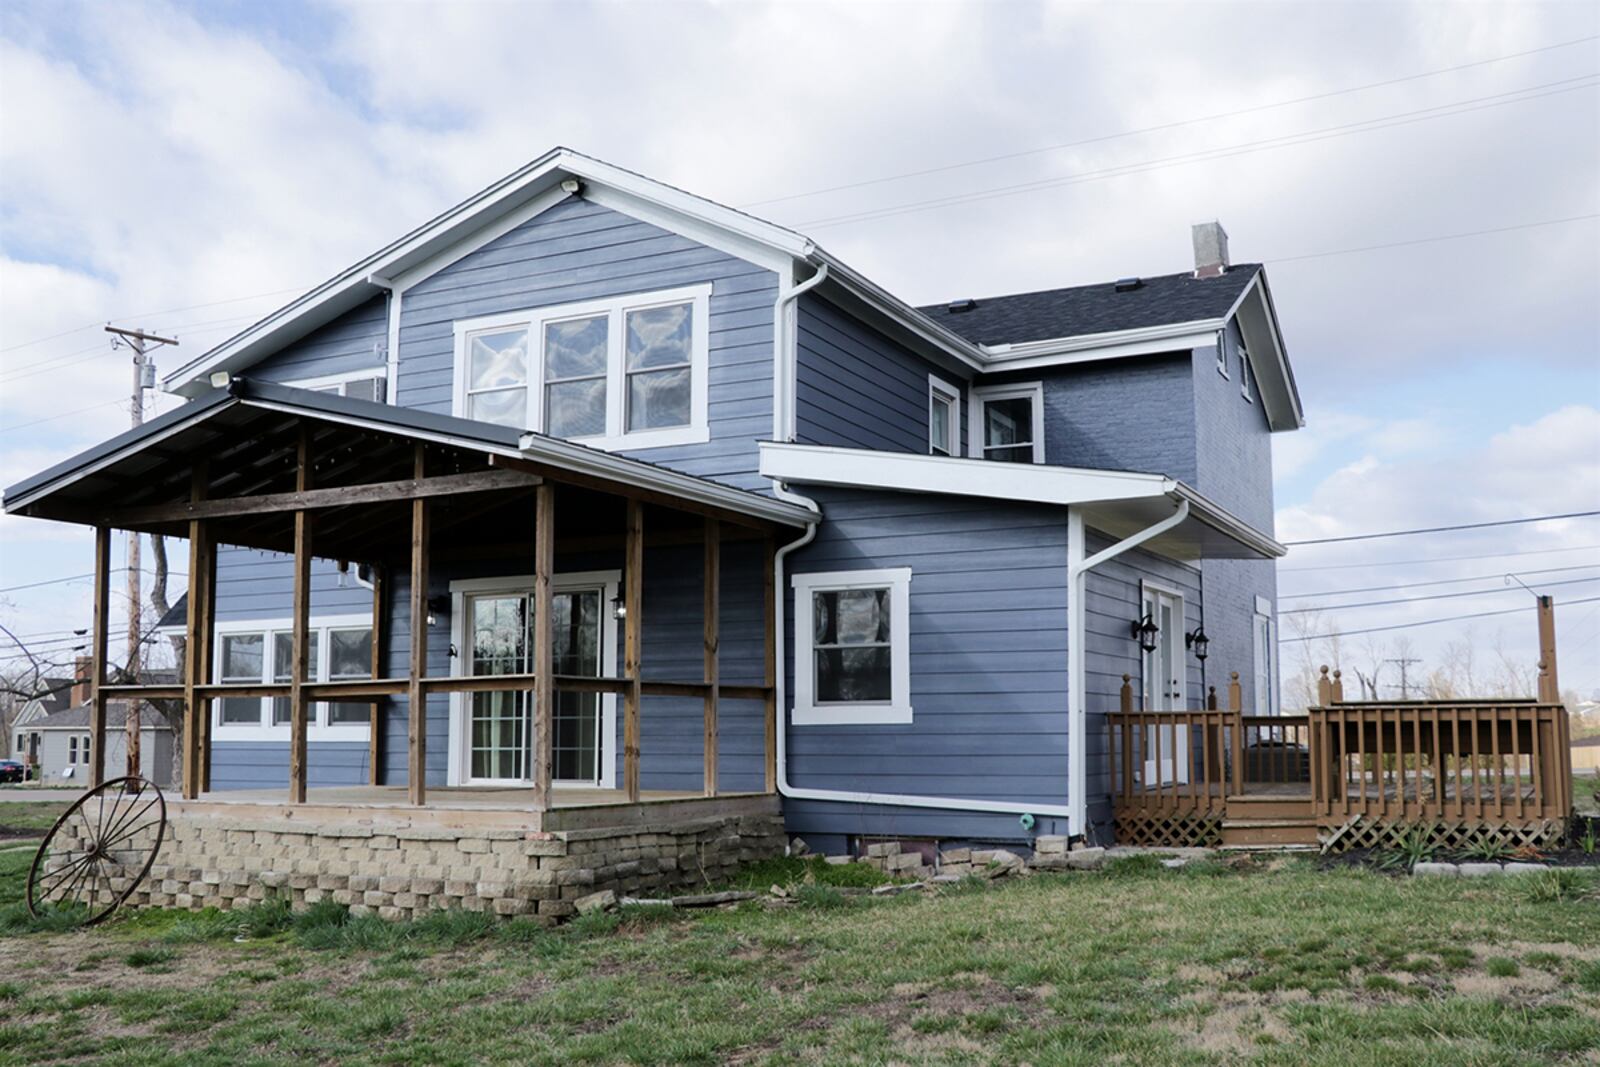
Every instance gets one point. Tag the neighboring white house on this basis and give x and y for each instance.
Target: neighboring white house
(59, 743)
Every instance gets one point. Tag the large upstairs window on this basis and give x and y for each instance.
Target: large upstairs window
(1007, 422)
(624, 372)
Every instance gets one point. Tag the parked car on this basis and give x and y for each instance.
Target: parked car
(12, 771)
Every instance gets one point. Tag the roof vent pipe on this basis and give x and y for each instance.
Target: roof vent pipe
(1210, 249)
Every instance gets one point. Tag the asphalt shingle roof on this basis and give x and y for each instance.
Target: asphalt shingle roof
(1164, 300)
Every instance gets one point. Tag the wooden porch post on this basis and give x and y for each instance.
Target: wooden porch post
(194, 653)
(633, 600)
(769, 617)
(299, 706)
(375, 716)
(544, 689)
(205, 634)
(97, 652)
(1549, 686)
(416, 699)
(711, 675)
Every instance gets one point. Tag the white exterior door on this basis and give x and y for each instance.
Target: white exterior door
(1166, 749)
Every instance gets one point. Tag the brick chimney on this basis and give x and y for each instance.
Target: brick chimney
(1210, 249)
(82, 675)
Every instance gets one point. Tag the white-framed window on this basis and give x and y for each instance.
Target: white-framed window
(1007, 423)
(1244, 369)
(258, 652)
(371, 383)
(944, 418)
(1265, 637)
(852, 647)
(72, 749)
(1222, 353)
(624, 372)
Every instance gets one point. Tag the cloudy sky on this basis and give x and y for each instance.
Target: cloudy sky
(188, 167)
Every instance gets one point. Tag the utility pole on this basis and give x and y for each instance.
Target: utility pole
(1405, 687)
(144, 377)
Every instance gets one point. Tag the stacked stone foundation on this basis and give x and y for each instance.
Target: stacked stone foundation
(403, 872)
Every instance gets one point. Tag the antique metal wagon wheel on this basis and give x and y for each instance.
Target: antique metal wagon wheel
(99, 851)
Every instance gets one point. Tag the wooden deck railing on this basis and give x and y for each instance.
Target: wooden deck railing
(1481, 760)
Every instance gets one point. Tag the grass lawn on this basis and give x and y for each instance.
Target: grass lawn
(1209, 964)
(1586, 793)
(18, 816)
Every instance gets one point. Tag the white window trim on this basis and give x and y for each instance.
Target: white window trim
(318, 728)
(616, 437)
(1244, 371)
(380, 372)
(938, 387)
(897, 709)
(985, 393)
(456, 768)
(1264, 617)
(1222, 352)
(1151, 589)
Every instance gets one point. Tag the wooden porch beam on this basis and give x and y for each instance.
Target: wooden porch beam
(97, 653)
(544, 565)
(299, 705)
(711, 674)
(633, 634)
(416, 488)
(633, 494)
(416, 695)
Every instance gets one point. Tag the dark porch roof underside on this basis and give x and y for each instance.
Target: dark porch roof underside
(249, 439)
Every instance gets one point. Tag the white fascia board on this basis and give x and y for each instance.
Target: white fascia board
(1288, 414)
(1225, 522)
(912, 473)
(435, 238)
(1107, 346)
(951, 345)
(582, 460)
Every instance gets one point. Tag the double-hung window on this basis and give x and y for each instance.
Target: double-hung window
(263, 653)
(853, 655)
(1007, 423)
(944, 418)
(1244, 370)
(367, 384)
(623, 372)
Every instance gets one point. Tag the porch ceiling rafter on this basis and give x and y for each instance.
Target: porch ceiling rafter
(264, 466)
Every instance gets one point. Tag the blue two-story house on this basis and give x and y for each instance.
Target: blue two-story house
(946, 533)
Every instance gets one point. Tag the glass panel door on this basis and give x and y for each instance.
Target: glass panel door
(578, 746)
(498, 726)
(1164, 690)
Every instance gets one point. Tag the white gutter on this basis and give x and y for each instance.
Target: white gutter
(1078, 568)
(780, 701)
(784, 364)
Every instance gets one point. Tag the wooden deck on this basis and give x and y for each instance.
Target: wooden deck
(574, 808)
(1346, 774)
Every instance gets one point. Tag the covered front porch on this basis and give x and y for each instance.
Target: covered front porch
(559, 635)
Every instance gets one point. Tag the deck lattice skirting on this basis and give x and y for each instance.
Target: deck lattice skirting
(399, 871)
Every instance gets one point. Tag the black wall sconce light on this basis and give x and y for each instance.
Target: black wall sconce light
(1199, 642)
(438, 606)
(1144, 631)
(619, 610)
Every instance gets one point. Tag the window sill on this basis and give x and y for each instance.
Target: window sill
(640, 439)
(852, 715)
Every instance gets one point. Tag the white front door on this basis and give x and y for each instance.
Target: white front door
(1166, 749)
(493, 735)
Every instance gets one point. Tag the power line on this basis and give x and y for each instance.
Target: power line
(153, 314)
(1404, 118)
(1426, 622)
(1275, 260)
(50, 363)
(48, 581)
(62, 415)
(1444, 529)
(1436, 581)
(1431, 596)
(1435, 559)
(945, 168)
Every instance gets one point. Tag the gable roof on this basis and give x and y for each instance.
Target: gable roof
(116, 711)
(548, 180)
(1165, 300)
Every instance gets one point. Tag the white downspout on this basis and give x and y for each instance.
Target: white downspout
(783, 359)
(1078, 568)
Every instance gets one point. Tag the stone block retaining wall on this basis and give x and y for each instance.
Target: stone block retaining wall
(401, 872)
